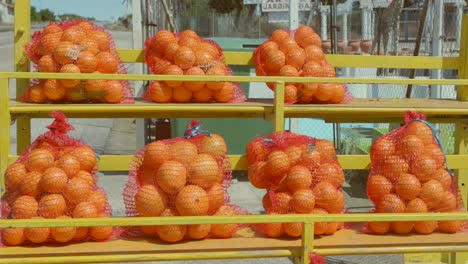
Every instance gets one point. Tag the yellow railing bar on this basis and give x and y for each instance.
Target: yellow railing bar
(243, 58)
(390, 250)
(238, 219)
(5, 130)
(142, 77)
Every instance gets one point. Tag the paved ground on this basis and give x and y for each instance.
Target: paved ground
(117, 136)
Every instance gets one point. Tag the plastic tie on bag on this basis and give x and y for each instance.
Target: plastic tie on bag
(194, 129)
(420, 117)
(316, 259)
(60, 125)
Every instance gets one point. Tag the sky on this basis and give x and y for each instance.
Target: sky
(100, 9)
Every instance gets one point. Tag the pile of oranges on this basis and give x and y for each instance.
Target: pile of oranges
(299, 53)
(75, 47)
(301, 175)
(52, 180)
(186, 53)
(408, 175)
(182, 177)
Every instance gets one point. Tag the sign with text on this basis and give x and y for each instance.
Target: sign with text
(283, 5)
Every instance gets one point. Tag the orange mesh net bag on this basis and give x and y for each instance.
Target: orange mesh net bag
(298, 53)
(187, 176)
(55, 178)
(301, 175)
(186, 53)
(75, 46)
(409, 174)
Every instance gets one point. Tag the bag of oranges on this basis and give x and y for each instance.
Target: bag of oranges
(186, 176)
(186, 53)
(55, 178)
(409, 174)
(76, 46)
(301, 175)
(298, 53)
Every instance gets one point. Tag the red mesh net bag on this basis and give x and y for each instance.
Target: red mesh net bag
(186, 176)
(409, 174)
(75, 46)
(186, 53)
(55, 178)
(301, 175)
(298, 53)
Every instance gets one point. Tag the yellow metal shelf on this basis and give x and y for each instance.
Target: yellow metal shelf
(237, 247)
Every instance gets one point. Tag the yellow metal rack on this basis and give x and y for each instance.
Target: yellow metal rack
(359, 110)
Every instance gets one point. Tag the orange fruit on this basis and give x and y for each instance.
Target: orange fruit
(326, 150)
(407, 186)
(69, 164)
(194, 86)
(299, 177)
(331, 228)
(339, 204)
(410, 146)
(325, 194)
(424, 167)
(14, 174)
(210, 48)
(225, 94)
(432, 193)
(171, 233)
(281, 202)
(204, 95)
(66, 52)
(198, 231)
(184, 57)
(39, 160)
(86, 26)
(224, 230)
(98, 199)
(448, 203)
(150, 201)
(85, 210)
(184, 152)
(377, 187)
(420, 130)
(425, 227)
(312, 68)
(170, 50)
(13, 236)
(330, 172)
(157, 63)
(325, 92)
(86, 156)
(69, 68)
(171, 176)
(390, 203)
(203, 58)
(95, 90)
(49, 43)
(320, 227)
(314, 53)
(215, 71)
(159, 92)
(290, 94)
(37, 234)
(149, 230)
(303, 36)
(188, 33)
(444, 177)
(288, 44)
(450, 226)
(54, 90)
(416, 206)
(106, 62)
(81, 234)
(256, 151)
(204, 171)
(288, 71)
(88, 44)
(278, 35)
(379, 228)
(73, 34)
(311, 160)
(76, 191)
(87, 62)
(293, 229)
(101, 39)
(182, 95)
(393, 166)
(36, 94)
(339, 94)
(30, 185)
(266, 202)
(52, 28)
(435, 152)
(267, 46)
(273, 229)
(295, 153)
(189, 42)
(402, 228)
(156, 154)
(53, 180)
(296, 58)
(52, 206)
(303, 201)
(192, 200)
(215, 197)
(277, 164)
(274, 60)
(47, 64)
(162, 39)
(63, 234)
(86, 176)
(382, 148)
(329, 71)
(101, 233)
(213, 145)
(24, 207)
(173, 70)
(257, 176)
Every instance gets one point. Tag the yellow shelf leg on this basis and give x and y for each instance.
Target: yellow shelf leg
(279, 107)
(5, 133)
(307, 242)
